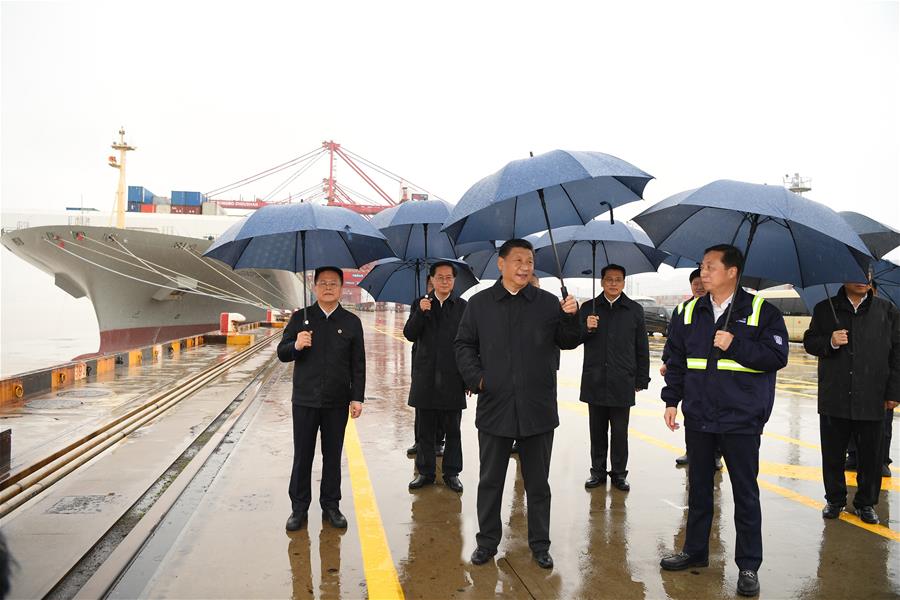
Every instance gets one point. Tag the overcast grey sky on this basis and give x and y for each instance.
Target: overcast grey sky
(445, 93)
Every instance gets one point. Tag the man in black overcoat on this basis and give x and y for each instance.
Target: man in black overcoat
(329, 357)
(506, 351)
(616, 365)
(859, 378)
(437, 391)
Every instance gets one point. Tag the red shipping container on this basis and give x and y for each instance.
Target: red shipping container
(192, 210)
(148, 208)
(177, 209)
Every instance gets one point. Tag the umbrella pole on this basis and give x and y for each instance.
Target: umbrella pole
(612, 220)
(563, 290)
(593, 277)
(418, 289)
(753, 223)
(305, 297)
(425, 225)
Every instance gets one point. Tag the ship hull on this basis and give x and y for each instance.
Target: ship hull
(149, 287)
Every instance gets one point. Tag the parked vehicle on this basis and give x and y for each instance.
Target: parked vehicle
(656, 316)
(796, 315)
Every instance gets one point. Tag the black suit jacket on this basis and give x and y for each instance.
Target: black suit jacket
(331, 372)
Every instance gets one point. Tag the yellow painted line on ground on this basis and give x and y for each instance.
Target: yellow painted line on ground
(881, 530)
(388, 333)
(790, 440)
(770, 468)
(381, 575)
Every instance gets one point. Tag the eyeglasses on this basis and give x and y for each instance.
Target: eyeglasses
(443, 278)
(614, 279)
(328, 284)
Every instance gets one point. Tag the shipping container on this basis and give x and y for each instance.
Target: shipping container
(210, 208)
(134, 206)
(137, 193)
(192, 210)
(147, 208)
(187, 198)
(177, 209)
(161, 200)
(163, 209)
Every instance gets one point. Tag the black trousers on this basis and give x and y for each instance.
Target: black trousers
(600, 418)
(429, 423)
(835, 434)
(741, 452)
(438, 436)
(886, 444)
(534, 458)
(308, 422)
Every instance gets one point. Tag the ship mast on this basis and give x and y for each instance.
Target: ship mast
(122, 147)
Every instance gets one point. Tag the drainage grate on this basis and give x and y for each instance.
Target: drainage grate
(43, 403)
(78, 505)
(84, 393)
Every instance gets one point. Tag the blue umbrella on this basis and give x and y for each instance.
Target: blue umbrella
(615, 242)
(798, 241)
(878, 237)
(680, 262)
(297, 237)
(884, 273)
(413, 230)
(395, 280)
(521, 198)
(484, 261)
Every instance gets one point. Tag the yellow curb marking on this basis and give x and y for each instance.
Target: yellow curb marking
(381, 575)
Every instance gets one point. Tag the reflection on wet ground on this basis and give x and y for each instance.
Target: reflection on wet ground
(607, 543)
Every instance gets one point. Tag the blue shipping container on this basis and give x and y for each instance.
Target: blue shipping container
(137, 193)
(187, 198)
(134, 206)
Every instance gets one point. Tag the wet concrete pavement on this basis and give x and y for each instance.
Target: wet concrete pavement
(606, 543)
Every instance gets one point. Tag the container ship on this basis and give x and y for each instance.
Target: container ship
(142, 267)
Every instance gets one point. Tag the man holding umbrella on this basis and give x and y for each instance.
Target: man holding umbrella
(616, 366)
(437, 390)
(726, 382)
(856, 336)
(506, 351)
(329, 359)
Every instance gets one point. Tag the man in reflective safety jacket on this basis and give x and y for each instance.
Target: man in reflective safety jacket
(725, 381)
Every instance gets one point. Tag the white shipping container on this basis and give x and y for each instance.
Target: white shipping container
(161, 200)
(210, 208)
(163, 208)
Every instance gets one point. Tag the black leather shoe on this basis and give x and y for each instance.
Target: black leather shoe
(621, 483)
(867, 514)
(543, 559)
(748, 583)
(682, 460)
(682, 561)
(439, 450)
(482, 555)
(334, 517)
(832, 510)
(453, 482)
(420, 481)
(412, 450)
(885, 471)
(594, 481)
(296, 521)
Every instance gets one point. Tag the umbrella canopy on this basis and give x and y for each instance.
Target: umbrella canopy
(878, 237)
(298, 237)
(885, 274)
(551, 190)
(680, 262)
(577, 186)
(797, 241)
(413, 229)
(585, 250)
(395, 280)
